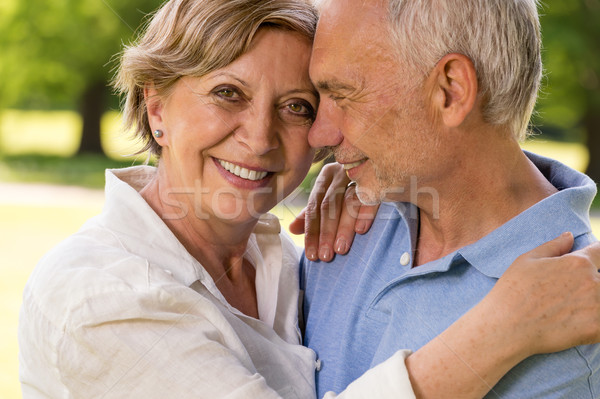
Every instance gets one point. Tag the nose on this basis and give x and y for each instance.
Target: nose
(259, 131)
(325, 130)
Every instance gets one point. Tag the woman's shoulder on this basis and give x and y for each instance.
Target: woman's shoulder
(78, 261)
(88, 267)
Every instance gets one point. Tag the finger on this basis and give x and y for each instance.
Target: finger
(591, 252)
(557, 247)
(312, 214)
(331, 208)
(366, 217)
(311, 227)
(347, 224)
(297, 225)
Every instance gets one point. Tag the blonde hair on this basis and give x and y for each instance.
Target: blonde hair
(193, 38)
(501, 37)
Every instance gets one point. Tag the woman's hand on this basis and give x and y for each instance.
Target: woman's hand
(553, 300)
(332, 216)
(547, 301)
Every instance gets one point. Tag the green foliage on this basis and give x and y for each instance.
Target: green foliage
(571, 89)
(53, 49)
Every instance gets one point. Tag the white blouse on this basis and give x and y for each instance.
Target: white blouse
(122, 310)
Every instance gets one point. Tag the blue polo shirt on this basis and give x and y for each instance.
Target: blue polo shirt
(361, 308)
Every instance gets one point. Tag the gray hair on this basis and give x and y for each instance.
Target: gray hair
(501, 37)
(194, 38)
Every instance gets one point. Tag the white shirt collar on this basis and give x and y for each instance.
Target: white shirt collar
(126, 213)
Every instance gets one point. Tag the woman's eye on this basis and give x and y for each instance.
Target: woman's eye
(298, 108)
(298, 112)
(301, 109)
(227, 93)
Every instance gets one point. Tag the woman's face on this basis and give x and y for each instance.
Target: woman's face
(236, 140)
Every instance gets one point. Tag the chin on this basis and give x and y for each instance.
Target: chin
(367, 196)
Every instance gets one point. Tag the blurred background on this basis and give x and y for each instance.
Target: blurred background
(60, 125)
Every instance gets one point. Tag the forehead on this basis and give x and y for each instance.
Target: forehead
(276, 45)
(350, 32)
(278, 51)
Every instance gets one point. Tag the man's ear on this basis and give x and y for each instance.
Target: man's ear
(453, 89)
(154, 107)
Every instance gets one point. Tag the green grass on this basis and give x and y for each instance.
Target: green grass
(58, 133)
(82, 170)
(38, 147)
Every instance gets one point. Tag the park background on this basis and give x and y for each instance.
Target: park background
(59, 124)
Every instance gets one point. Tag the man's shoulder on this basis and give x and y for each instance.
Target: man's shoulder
(573, 373)
(583, 240)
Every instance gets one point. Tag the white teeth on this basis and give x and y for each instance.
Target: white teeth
(348, 166)
(243, 172)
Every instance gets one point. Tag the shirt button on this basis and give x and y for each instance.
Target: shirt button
(318, 364)
(405, 259)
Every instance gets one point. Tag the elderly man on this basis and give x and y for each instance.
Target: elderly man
(424, 103)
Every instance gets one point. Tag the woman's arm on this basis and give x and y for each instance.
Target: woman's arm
(541, 291)
(543, 303)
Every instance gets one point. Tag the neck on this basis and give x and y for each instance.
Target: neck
(492, 182)
(219, 246)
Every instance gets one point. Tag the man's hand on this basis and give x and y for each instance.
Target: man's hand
(333, 215)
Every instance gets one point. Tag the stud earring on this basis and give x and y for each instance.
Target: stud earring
(158, 133)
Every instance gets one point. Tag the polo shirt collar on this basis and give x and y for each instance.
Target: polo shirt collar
(566, 210)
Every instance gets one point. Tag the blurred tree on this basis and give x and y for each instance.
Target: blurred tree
(57, 54)
(571, 93)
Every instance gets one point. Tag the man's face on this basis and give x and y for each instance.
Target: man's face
(371, 111)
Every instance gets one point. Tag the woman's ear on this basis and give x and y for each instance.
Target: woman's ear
(154, 107)
(453, 89)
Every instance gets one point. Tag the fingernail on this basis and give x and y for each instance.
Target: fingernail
(341, 246)
(311, 254)
(360, 227)
(325, 253)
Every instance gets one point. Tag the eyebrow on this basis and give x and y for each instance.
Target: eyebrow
(227, 74)
(307, 91)
(334, 85)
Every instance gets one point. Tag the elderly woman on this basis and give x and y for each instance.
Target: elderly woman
(185, 286)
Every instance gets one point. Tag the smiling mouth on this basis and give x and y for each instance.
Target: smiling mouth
(244, 173)
(348, 166)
